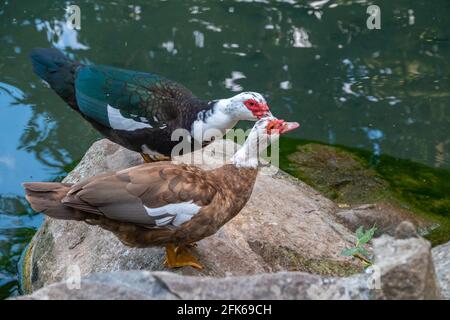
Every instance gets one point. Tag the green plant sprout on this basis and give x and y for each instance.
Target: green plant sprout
(358, 251)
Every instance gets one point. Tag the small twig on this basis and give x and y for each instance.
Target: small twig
(362, 258)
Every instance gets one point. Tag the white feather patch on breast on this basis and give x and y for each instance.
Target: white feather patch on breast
(179, 213)
(119, 122)
(212, 124)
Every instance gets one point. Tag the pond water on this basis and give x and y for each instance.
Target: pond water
(385, 91)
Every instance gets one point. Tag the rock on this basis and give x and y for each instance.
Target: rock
(384, 216)
(405, 230)
(404, 270)
(340, 175)
(441, 259)
(366, 198)
(165, 285)
(131, 285)
(285, 226)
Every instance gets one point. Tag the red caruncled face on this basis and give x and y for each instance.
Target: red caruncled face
(281, 126)
(257, 108)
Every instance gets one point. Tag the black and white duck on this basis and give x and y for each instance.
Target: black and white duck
(139, 110)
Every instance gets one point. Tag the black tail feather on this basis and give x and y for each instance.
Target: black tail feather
(57, 70)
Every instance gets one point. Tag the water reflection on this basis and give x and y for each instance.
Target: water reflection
(17, 226)
(231, 83)
(60, 35)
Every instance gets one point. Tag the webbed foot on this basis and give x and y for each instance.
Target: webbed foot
(180, 256)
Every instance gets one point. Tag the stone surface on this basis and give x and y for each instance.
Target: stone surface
(340, 175)
(285, 226)
(364, 196)
(406, 230)
(406, 269)
(384, 216)
(441, 259)
(403, 271)
(165, 285)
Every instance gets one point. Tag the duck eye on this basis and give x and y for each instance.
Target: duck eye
(251, 103)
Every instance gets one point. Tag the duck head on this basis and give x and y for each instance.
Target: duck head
(265, 131)
(245, 106)
(223, 114)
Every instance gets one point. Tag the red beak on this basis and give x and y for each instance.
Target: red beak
(289, 126)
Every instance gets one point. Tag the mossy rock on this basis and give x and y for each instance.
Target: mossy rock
(25, 271)
(338, 174)
(352, 177)
(30, 279)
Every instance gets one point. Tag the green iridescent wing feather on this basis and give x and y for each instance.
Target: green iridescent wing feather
(137, 95)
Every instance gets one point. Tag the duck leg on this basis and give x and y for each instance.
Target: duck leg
(146, 157)
(180, 257)
(154, 158)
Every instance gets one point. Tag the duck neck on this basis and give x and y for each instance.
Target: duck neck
(213, 121)
(247, 156)
(236, 182)
(236, 186)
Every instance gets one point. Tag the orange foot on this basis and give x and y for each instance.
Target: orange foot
(177, 257)
(147, 158)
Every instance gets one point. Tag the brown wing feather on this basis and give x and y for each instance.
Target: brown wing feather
(174, 184)
(122, 195)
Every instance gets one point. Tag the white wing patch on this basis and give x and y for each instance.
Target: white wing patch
(119, 122)
(178, 213)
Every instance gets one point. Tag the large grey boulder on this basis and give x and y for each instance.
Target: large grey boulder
(441, 259)
(286, 226)
(166, 285)
(403, 270)
(405, 266)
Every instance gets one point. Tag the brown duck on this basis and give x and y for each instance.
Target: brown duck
(162, 203)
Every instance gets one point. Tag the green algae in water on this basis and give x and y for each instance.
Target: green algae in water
(422, 190)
